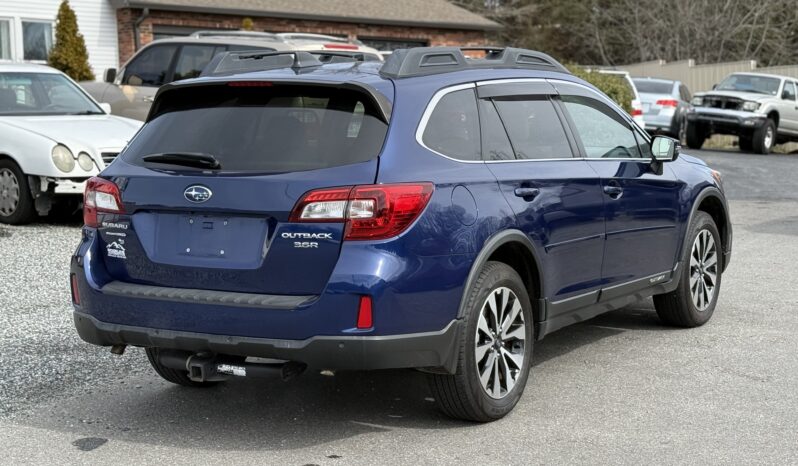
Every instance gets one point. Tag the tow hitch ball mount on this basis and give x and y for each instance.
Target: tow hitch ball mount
(214, 368)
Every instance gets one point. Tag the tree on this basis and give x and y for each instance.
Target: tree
(69, 52)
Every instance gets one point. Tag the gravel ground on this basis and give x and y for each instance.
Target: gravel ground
(621, 388)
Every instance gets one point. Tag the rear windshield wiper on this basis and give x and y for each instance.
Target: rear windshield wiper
(188, 159)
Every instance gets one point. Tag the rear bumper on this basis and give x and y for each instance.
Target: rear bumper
(418, 350)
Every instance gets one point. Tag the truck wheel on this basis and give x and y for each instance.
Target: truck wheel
(695, 135)
(746, 143)
(16, 202)
(764, 137)
(495, 349)
(692, 303)
(172, 375)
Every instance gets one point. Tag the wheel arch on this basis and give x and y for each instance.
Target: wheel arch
(774, 115)
(711, 201)
(513, 248)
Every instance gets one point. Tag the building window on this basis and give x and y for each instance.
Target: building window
(389, 45)
(37, 40)
(5, 39)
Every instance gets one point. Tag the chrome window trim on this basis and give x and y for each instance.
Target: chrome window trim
(440, 94)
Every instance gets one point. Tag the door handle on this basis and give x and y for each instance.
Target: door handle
(527, 193)
(613, 190)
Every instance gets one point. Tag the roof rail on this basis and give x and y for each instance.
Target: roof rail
(241, 62)
(423, 61)
(239, 34)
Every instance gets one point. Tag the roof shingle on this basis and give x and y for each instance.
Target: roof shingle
(430, 13)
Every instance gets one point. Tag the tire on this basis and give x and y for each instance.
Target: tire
(695, 136)
(16, 202)
(172, 375)
(746, 143)
(682, 307)
(463, 395)
(764, 138)
(679, 129)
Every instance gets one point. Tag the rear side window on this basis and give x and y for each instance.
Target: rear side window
(263, 129)
(150, 67)
(192, 60)
(453, 126)
(495, 144)
(534, 128)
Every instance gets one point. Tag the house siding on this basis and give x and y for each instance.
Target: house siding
(126, 18)
(96, 21)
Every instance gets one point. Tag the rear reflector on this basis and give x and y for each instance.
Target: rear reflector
(100, 196)
(340, 46)
(75, 291)
(668, 102)
(370, 212)
(364, 314)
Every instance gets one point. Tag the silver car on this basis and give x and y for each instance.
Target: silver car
(666, 104)
(130, 91)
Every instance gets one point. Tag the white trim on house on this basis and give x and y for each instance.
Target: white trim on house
(96, 21)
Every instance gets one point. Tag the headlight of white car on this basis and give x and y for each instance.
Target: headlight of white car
(699, 101)
(750, 106)
(63, 158)
(85, 161)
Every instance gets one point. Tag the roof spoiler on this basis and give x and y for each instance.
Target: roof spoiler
(424, 61)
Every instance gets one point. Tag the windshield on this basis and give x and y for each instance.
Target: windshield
(43, 94)
(267, 128)
(653, 87)
(750, 83)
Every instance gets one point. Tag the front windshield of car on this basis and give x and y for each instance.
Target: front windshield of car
(750, 83)
(42, 94)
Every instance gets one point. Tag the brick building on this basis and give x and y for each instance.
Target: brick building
(383, 24)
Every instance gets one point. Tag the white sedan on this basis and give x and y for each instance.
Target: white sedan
(53, 137)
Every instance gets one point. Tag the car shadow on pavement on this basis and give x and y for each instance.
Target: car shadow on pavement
(269, 414)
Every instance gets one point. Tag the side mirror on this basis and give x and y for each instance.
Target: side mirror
(665, 149)
(106, 107)
(109, 75)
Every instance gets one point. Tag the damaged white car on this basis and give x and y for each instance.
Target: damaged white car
(53, 137)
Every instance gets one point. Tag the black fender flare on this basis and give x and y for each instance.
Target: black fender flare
(489, 247)
(711, 191)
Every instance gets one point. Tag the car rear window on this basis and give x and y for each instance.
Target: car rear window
(654, 87)
(263, 128)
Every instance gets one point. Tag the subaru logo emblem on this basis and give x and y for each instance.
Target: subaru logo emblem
(197, 193)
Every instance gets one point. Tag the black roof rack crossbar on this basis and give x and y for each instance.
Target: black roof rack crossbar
(238, 62)
(326, 56)
(423, 61)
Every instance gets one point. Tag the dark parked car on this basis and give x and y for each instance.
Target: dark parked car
(666, 104)
(434, 212)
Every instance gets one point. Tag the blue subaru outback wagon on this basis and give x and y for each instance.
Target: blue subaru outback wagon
(436, 212)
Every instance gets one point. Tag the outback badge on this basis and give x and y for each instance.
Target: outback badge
(197, 193)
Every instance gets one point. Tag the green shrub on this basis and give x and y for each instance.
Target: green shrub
(69, 52)
(616, 87)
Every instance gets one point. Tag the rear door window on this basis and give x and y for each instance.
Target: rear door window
(192, 60)
(534, 127)
(151, 67)
(263, 129)
(453, 126)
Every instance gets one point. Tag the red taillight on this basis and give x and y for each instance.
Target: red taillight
(100, 196)
(365, 319)
(75, 291)
(371, 212)
(340, 46)
(636, 112)
(668, 103)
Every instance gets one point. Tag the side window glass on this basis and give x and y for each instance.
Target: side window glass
(453, 127)
(534, 128)
(604, 133)
(643, 145)
(150, 67)
(192, 60)
(495, 144)
(789, 91)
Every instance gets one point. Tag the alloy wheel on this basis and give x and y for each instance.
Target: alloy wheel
(9, 192)
(768, 142)
(703, 270)
(500, 342)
